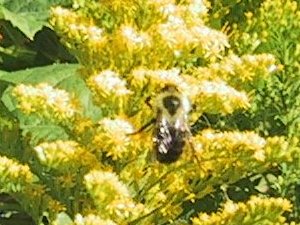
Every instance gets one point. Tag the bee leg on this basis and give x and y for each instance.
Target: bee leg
(144, 127)
(194, 150)
(147, 101)
(152, 121)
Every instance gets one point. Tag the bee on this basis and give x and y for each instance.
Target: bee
(171, 132)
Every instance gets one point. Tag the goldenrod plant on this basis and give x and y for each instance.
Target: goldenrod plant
(87, 161)
(246, 213)
(273, 27)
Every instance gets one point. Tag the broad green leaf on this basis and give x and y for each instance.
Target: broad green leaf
(77, 86)
(63, 76)
(26, 22)
(8, 101)
(40, 130)
(2, 74)
(37, 128)
(29, 16)
(52, 74)
(46, 133)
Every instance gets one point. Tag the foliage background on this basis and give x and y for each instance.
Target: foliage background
(253, 27)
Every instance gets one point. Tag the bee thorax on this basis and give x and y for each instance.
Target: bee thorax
(171, 104)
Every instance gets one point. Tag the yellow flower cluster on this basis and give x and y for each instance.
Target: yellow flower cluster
(65, 156)
(91, 220)
(198, 8)
(110, 91)
(111, 14)
(18, 181)
(154, 79)
(272, 21)
(81, 29)
(129, 50)
(46, 101)
(113, 139)
(111, 196)
(262, 210)
(285, 13)
(238, 71)
(80, 34)
(217, 97)
(278, 149)
(234, 154)
(14, 176)
(174, 34)
(105, 187)
(205, 42)
(133, 40)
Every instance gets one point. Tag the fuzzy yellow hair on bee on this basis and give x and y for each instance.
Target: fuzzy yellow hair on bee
(172, 104)
(171, 130)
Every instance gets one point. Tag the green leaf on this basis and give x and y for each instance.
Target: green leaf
(40, 130)
(8, 101)
(25, 22)
(52, 74)
(76, 85)
(43, 132)
(63, 76)
(49, 74)
(29, 16)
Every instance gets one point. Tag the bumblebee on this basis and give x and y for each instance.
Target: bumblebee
(171, 130)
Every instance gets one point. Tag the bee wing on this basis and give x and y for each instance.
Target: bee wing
(169, 140)
(162, 136)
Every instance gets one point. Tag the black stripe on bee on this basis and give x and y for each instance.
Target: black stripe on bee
(172, 104)
(171, 131)
(168, 142)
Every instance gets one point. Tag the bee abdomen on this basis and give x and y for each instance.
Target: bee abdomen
(172, 154)
(169, 145)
